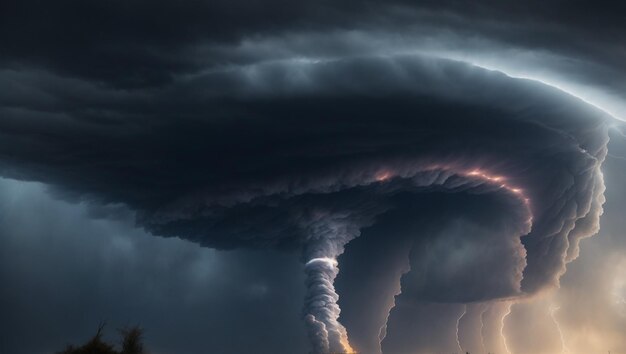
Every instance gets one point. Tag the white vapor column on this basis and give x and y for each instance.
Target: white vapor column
(327, 236)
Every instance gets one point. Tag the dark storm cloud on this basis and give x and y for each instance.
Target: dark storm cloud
(301, 125)
(147, 43)
(227, 137)
(306, 154)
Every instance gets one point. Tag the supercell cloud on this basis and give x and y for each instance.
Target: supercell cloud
(420, 188)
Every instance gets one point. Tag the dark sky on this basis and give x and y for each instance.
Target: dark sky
(295, 177)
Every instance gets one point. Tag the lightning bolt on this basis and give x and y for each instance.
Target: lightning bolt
(406, 267)
(482, 328)
(383, 330)
(458, 321)
(553, 310)
(508, 312)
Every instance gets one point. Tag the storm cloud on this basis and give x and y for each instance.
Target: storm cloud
(331, 132)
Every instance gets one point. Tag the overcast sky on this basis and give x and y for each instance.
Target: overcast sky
(314, 177)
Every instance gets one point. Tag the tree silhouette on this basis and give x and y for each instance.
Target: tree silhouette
(131, 344)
